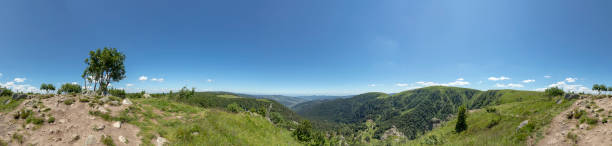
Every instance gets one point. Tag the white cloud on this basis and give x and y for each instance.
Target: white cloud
(0, 74)
(143, 78)
(547, 76)
(401, 84)
(511, 85)
(158, 79)
(458, 82)
(372, 85)
(129, 85)
(571, 88)
(528, 81)
(20, 88)
(19, 80)
(570, 80)
(74, 83)
(209, 80)
(498, 78)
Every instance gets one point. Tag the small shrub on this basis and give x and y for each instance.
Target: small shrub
(107, 140)
(578, 113)
(83, 99)
(493, 122)
(490, 109)
(105, 116)
(23, 114)
(51, 120)
(600, 110)
(117, 92)
(234, 108)
(2, 143)
(18, 137)
(554, 91)
(69, 101)
(35, 120)
(572, 137)
(6, 92)
(46, 109)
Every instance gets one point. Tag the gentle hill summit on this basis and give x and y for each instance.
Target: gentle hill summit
(96, 120)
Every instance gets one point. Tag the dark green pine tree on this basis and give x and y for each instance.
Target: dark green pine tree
(461, 125)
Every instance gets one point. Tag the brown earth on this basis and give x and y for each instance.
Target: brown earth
(587, 135)
(70, 121)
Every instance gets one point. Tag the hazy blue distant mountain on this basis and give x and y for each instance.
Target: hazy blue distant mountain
(287, 101)
(320, 97)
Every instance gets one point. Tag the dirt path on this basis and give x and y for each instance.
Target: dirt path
(71, 121)
(586, 135)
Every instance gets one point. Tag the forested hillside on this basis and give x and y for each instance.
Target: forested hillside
(413, 112)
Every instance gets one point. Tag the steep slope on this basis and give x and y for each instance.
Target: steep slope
(412, 112)
(499, 123)
(79, 120)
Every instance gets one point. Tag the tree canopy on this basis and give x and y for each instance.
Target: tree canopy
(47, 87)
(103, 67)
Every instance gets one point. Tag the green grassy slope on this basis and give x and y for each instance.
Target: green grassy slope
(499, 128)
(411, 111)
(4, 108)
(178, 122)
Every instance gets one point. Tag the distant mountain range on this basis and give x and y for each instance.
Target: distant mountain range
(290, 101)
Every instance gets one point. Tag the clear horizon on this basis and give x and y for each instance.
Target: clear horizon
(311, 48)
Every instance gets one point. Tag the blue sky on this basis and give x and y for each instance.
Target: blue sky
(312, 47)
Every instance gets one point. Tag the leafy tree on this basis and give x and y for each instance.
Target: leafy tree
(117, 92)
(304, 131)
(103, 67)
(610, 89)
(47, 87)
(70, 88)
(461, 116)
(234, 108)
(554, 91)
(5, 92)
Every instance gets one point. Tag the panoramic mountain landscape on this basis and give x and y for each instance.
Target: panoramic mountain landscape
(305, 73)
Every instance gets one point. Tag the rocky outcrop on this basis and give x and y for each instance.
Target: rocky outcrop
(522, 125)
(19, 96)
(392, 133)
(160, 141)
(126, 102)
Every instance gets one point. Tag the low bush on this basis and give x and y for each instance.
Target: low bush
(107, 140)
(70, 88)
(35, 120)
(572, 137)
(69, 101)
(493, 122)
(18, 137)
(490, 109)
(83, 99)
(51, 120)
(117, 92)
(234, 108)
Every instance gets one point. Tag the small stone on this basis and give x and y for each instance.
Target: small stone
(126, 102)
(62, 121)
(160, 141)
(195, 133)
(29, 126)
(75, 137)
(122, 139)
(105, 99)
(99, 127)
(90, 140)
(584, 126)
(117, 124)
(146, 96)
(114, 102)
(102, 110)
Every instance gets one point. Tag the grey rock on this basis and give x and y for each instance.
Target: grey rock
(146, 96)
(117, 124)
(160, 141)
(571, 96)
(584, 126)
(75, 137)
(114, 102)
(195, 133)
(122, 139)
(522, 125)
(19, 96)
(102, 110)
(99, 127)
(126, 102)
(105, 99)
(91, 140)
(29, 126)
(559, 101)
(7, 101)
